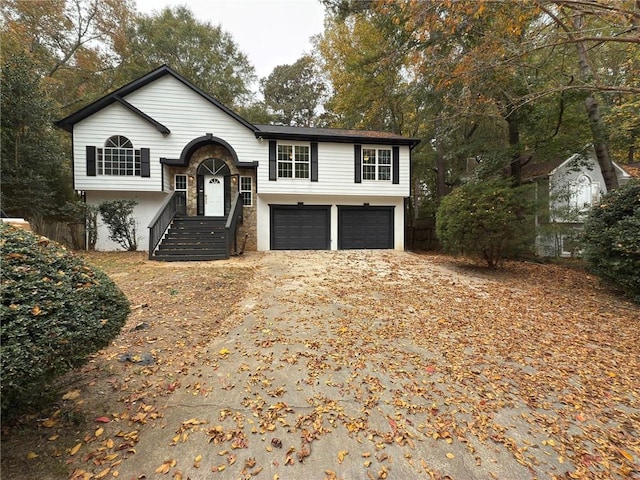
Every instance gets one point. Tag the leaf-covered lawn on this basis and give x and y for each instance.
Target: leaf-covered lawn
(348, 365)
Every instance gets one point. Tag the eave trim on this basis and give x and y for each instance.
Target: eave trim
(310, 137)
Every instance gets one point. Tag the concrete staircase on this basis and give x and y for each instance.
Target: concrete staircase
(193, 239)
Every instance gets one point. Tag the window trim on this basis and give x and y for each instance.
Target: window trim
(243, 191)
(175, 182)
(121, 153)
(293, 161)
(377, 165)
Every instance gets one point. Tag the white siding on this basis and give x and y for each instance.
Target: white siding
(563, 182)
(168, 101)
(336, 175)
(144, 212)
(264, 227)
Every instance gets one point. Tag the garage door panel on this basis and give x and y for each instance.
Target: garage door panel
(299, 227)
(365, 227)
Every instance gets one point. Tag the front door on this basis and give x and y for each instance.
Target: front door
(213, 196)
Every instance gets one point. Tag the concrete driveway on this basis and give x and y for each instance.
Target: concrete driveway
(382, 364)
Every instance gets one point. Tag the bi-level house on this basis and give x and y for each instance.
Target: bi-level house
(209, 183)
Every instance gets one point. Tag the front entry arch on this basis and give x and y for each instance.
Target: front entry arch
(213, 184)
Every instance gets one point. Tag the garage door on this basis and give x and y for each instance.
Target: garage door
(300, 227)
(365, 227)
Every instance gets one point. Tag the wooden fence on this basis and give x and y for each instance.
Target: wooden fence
(422, 235)
(70, 235)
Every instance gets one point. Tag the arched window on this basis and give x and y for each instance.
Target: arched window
(118, 157)
(585, 193)
(213, 166)
(118, 141)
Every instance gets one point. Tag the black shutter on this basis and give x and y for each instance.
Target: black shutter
(314, 162)
(357, 162)
(145, 162)
(273, 164)
(91, 161)
(395, 165)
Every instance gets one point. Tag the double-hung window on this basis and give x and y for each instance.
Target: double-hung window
(118, 157)
(293, 161)
(376, 164)
(180, 182)
(245, 190)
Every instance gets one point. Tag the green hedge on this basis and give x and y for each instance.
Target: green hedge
(612, 239)
(56, 310)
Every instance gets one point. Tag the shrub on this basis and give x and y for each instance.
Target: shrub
(611, 239)
(118, 215)
(55, 311)
(488, 219)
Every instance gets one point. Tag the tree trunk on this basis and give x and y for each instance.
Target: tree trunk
(441, 172)
(514, 142)
(600, 143)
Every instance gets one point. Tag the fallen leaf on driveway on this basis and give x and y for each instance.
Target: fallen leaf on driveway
(166, 466)
(341, 455)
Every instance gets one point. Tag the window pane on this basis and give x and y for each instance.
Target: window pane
(302, 154)
(285, 153)
(181, 182)
(302, 170)
(285, 169)
(368, 156)
(384, 173)
(369, 172)
(384, 157)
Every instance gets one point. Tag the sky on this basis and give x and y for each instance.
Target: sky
(269, 32)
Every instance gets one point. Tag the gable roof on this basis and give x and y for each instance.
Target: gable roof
(532, 172)
(118, 95)
(633, 169)
(339, 135)
(535, 171)
(276, 132)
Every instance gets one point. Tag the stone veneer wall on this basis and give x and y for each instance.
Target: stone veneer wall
(249, 215)
(249, 223)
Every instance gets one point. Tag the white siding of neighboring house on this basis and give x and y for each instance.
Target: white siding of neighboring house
(574, 187)
(336, 175)
(585, 187)
(167, 100)
(263, 212)
(144, 212)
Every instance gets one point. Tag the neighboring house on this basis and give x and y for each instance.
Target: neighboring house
(193, 164)
(565, 191)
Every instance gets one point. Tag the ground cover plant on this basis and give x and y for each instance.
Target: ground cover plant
(56, 310)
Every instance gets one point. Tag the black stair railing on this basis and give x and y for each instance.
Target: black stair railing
(234, 218)
(174, 205)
